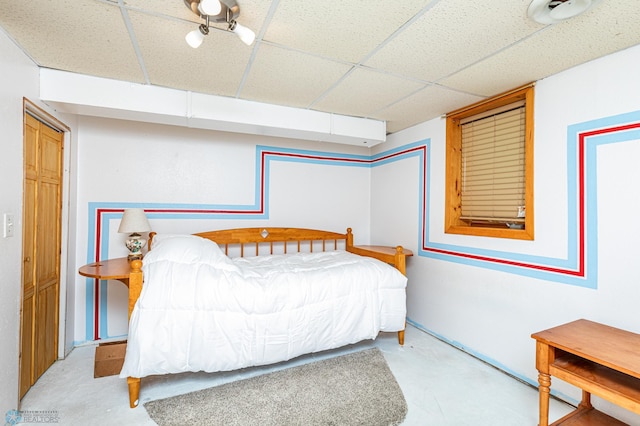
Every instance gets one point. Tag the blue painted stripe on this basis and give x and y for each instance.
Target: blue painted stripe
(571, 262)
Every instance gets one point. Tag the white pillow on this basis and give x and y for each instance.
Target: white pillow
(185, 249)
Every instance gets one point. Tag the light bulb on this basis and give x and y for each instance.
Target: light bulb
(210, 7)
(245, 34)
(194, 38)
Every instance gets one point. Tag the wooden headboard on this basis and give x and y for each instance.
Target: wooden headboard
(267, 240)
(241, 242)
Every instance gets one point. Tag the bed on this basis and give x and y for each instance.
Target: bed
(230, 299)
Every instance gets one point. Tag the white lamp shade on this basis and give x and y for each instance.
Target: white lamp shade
(194, 38)
(134, 221)
(246, 35)
(210, 7)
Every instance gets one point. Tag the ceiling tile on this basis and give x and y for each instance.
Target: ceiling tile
(557, 48)
(337, 29)
(281, 76)
(364, 92)
(254, 12)
(454, 34)
(431, 102)
(82, 36)
(216, 67)
(169, 8)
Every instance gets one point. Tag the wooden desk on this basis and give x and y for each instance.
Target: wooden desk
(599, 359)
(113, 269)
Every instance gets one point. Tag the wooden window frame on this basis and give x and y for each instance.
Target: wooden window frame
(453, 190)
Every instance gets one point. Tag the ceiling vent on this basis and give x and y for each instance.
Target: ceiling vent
(554, 11)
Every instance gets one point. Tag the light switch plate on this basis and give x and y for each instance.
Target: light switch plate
(8, 226)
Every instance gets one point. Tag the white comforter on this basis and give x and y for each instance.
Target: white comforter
(201, 311)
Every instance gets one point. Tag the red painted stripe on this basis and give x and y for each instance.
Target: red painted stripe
(96, 287)
(313, 157)
(347, 160)
(581, 213)
(100, 212)
(503, 261)
(581, 203)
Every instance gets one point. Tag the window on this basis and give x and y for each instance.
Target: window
(489, 178)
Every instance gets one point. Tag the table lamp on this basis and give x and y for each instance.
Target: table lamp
(133, 222)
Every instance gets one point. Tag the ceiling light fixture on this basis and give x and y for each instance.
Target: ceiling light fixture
(217, 11)
(554, 11)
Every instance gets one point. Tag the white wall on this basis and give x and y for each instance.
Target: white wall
(490, 309)
(19, 78)
(124, 163)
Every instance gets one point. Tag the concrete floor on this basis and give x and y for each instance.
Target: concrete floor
(442, 385)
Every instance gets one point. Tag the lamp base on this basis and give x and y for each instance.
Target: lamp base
(135, 244)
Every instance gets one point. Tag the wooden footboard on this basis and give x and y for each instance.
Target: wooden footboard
(263, 241)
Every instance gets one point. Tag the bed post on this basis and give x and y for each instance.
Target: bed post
(151, 235)
(349, 241)
(135, 284)
(135, 287)
(401, 264)
(401, 260)
(134, 391)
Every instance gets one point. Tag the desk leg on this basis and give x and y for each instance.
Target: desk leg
(545, 383)
(586, 400)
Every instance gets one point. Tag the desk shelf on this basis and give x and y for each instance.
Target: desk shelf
(588, 417)
(599, 380)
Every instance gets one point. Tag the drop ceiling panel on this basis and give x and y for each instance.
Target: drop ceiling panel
(167, 8)
(555, 49)
(364, 92)
(422, 106)
(454, 34)
(253, 13)
(338, 29)
(71, 33)
(216, 67)
(281, 76)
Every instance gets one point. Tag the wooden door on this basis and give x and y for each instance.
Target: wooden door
(41, 250)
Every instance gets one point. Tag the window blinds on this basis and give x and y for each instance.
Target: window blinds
(493, 166)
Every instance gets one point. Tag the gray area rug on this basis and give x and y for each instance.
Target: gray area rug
(352, 389)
